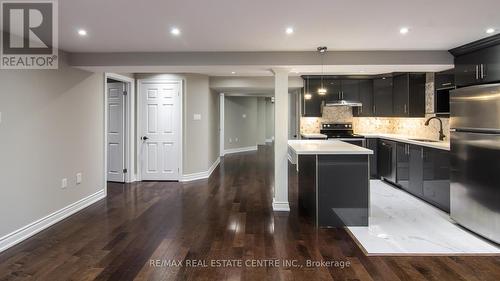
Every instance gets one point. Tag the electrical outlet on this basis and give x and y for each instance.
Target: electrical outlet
(79, 178)
(230, 140)
(64, 183)
(236, 139)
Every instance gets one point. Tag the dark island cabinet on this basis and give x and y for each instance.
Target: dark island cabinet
(436, 177)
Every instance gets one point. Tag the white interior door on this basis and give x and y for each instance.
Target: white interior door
(160, 126)
(116, 131)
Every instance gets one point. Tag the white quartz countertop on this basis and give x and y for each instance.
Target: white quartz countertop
(314, 136)
(321, 147)
(444, 145)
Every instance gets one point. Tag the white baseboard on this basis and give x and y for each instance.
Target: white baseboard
(240, 149)
(201, 175)
(281, 206)
(33, 228)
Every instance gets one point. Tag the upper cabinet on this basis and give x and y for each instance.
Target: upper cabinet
(312, 107)
(409, 95)
(341, 89)
(382, 97)
(477, 62)
(391, 95)
(366, 98)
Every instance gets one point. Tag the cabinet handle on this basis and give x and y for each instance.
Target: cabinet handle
(482, 71)
(405, 108)
(422, 152)
(477, 72)
(446, 84)
(374, 109)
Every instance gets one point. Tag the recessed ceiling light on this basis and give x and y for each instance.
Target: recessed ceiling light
(82, 32)
(490, 30)
(289, 30)
(232, 72)
(404, 30)
(175, 31)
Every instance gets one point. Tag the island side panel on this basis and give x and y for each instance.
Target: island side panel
(307, 186)
(343, 190)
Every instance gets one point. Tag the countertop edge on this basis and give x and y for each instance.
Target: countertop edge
(405, 140)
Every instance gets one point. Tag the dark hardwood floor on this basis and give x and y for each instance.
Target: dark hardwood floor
(226, 217)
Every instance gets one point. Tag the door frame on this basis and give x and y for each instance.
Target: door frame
(129, 120)
(221, 124)
(180, 137)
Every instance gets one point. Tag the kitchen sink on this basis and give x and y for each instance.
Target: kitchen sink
(424, 140)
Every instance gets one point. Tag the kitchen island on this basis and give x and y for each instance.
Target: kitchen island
(334, 182)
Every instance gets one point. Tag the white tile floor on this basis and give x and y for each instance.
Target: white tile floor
(401, 224)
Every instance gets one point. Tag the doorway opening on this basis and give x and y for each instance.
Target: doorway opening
(119, 128)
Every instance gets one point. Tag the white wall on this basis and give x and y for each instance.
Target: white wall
(240, 122)
(261, 120)
(200, 137)
(52, 128)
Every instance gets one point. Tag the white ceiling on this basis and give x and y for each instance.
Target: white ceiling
(259, 25)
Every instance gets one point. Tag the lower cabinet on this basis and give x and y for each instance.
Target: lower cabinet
(421, 171)
(436, 177)
(409, 172)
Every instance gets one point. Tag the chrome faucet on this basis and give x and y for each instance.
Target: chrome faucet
(442, 136)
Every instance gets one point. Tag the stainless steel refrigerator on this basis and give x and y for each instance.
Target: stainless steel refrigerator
(475, 159)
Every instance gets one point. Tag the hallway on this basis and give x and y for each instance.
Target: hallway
(227, 217)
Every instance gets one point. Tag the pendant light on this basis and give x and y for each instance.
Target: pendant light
(322, 51)
(307, 95)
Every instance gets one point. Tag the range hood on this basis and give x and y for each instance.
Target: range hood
(343, 103)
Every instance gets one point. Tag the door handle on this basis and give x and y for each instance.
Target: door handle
(144, 138)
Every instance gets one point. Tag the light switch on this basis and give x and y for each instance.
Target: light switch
(64, 183)
(197, 117)
(79, 178)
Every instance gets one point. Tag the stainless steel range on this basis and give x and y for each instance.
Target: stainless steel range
(343, 132)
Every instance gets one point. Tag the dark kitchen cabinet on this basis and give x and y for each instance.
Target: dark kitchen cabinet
(382, 97)
(312, 107)
(409, 168)
(436, 177)
(403, 165)
(409, 95)
(342, 89)
(416, 170)
(444, 79)
(350, 90)
(386, 160)
(366, 98)
(372, 144)
(477, 62)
